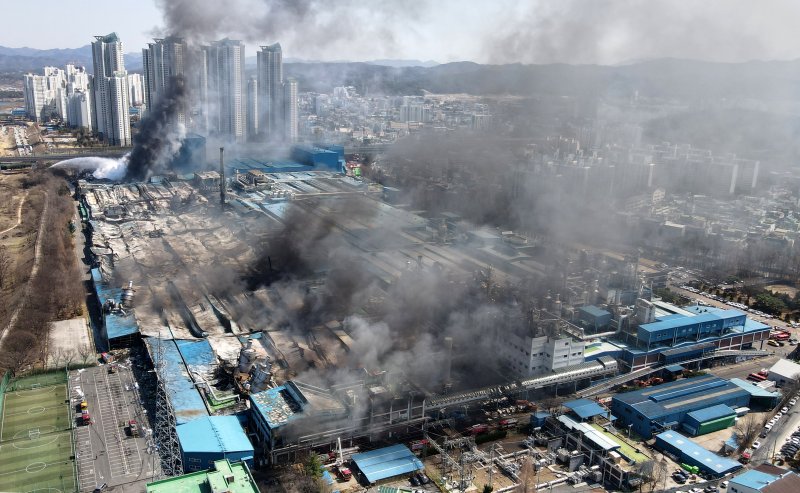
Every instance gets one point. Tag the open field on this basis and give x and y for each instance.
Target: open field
(36, 439)
(781, 289)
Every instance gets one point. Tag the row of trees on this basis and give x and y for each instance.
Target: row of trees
(55, 292)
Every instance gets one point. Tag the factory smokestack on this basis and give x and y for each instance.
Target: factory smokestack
(221, 177)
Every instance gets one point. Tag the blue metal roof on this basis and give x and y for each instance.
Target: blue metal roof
(215, 434)
(682, 395)
(711, 413)
(276, 405)
(697, 455)
(585, 408)
(674, 322)
(387, 462)
(753, 389)
(117, 325)
(186, 401)
(754, 479)
(674, 368)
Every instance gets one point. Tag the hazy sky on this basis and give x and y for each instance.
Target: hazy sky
(488, 31)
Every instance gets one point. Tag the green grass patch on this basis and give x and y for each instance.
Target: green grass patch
(42, 410)
(627, 449)
(43, 463)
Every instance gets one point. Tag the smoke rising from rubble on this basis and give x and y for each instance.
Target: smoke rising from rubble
(160, 133)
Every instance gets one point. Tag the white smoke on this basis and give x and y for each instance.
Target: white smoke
(102, 167)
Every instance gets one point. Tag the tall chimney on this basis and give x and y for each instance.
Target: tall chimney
(221, 178)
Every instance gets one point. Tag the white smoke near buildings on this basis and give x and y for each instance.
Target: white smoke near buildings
(102, 168)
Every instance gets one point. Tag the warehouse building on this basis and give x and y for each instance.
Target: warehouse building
(222, 477)
(386, 463)
(710, 419)
(765, 478)
(784, 372)
(584, 409)
(760, 398)
(687, 452)
(209, 439)
(665, 407)
(677, 335)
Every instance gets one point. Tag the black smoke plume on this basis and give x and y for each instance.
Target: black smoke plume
(160, 134)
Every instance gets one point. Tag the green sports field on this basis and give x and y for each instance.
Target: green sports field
(36, 441)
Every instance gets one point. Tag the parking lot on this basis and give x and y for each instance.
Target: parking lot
(106, 451)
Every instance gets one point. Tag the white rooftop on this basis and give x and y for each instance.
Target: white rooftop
(785, 368)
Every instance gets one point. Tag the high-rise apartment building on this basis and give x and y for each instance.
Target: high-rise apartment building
(252, 109)
(227, 97)
(36, 96)
(162, 60)
(136, 89)
(111, 90)
(270, 92)
(290, 110)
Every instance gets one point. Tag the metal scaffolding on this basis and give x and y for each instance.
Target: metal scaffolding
(165, 432)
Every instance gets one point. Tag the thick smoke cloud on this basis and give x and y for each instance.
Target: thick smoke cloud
(312, 24)
(160, 133)
(619, 31)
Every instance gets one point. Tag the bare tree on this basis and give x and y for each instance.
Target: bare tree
(646, 472)
(747, 429)
(84, 350)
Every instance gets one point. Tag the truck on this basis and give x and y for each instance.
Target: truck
(85, 417)
(756, 377)
(508, 423)
(133, 426)
(691, 469)
(478, 429)
(343, 473)
(84, 405)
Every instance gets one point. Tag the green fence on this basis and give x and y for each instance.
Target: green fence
(39, 379)
(3, 385)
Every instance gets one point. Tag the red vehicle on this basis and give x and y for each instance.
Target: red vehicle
(85, 418)
(508, 423)
(478, 429)
(757, 377)
(343, 473)
(419, 444)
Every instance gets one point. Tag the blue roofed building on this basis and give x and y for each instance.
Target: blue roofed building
(765, 478)
(685, 334)
(585, 409)
(386, 463)
(710, 419)
(687, 452)
(664, 407)
(594, 318)
(212, 438)
(119, 325)
(319, 157)
(187, 403)
(282, 414)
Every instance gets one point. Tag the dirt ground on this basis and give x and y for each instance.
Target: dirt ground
(18, 241)
(782, 289)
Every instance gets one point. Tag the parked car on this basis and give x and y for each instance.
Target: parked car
(414, 481)
(756, 444)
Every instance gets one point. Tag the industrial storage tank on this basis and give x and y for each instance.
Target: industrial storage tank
(247, 357)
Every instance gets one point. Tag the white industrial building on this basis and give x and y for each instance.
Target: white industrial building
(784, 372)
(530, 356)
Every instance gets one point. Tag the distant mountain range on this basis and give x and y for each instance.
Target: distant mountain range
(32, 59)
(670, 79)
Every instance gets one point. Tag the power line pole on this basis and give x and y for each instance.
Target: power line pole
(165, 433)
